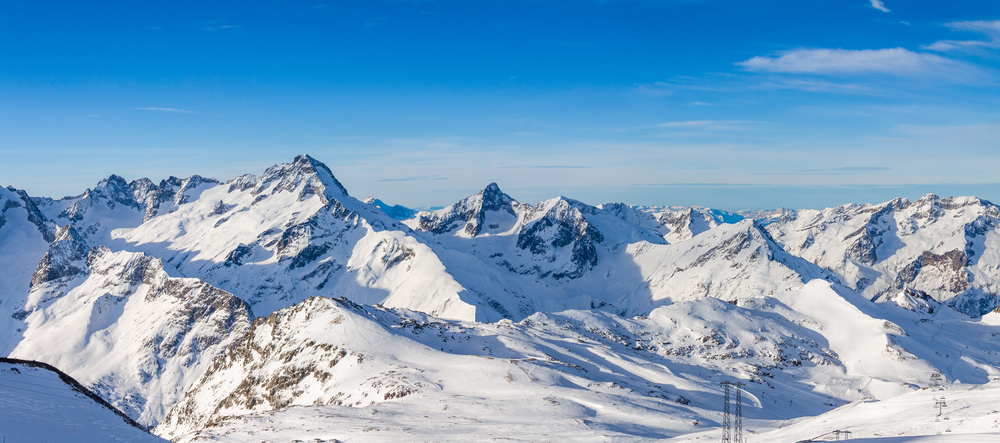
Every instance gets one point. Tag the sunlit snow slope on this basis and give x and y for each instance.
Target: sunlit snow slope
(40, 404)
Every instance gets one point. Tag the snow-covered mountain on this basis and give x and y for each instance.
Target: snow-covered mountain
(564, 254)
(123, 327)
(673, 223)
(41, 403)
(944, 249)
(207, 308)
(292, 233)
(578, 375)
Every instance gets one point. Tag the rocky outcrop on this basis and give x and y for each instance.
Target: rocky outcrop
(125, 328)
(554, 225)
(938, 246)
(469, 214)
(34, 216)
(65, 259)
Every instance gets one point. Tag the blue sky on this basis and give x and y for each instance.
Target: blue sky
(729, 104)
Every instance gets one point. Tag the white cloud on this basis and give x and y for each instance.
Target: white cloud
(708, 125)
(181, 111)
(686, 124)
(990, 29)
(893, 61)
(877, 4)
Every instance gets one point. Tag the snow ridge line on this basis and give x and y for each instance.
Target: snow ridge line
(77, 386)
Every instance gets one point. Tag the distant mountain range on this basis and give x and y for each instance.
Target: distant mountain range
(199, 307)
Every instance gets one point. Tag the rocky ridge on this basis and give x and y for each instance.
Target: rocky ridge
(940, 247)
(120, 324)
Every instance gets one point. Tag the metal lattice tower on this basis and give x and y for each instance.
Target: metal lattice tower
(727, 431)
(732, 427)
(739, 413)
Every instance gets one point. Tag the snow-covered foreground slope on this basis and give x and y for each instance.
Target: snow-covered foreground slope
(593, 375)
(946, 248)
(40, 404)
(971, 415)
(118, 323)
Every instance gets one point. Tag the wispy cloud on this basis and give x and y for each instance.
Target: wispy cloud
(706, 125)
(685, 124)
(179, 111)
(829, 171)
(898, 62)
(990, 29)
(216, 25)
(413, 179)
(815, 85)
(877, 4)
(546, 167)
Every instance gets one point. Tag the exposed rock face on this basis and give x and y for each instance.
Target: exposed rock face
(34, 216)
(298, 355)
(946, 271)
(554, 225)
(65, 259)
(933, 245)
(112, 192)
(124, 328)
(470, 214)
(555, 235)
(305, 174)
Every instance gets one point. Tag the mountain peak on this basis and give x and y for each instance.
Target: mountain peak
(493, 199)
(469, 212)
(491, 189)
(316, 176)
